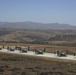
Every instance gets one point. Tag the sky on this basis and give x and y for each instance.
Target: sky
(44, 11)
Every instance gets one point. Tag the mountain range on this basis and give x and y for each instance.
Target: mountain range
(35, 25)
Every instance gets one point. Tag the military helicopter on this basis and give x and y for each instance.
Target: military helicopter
(61, 54)
(0, 48)
(38, 52)
(23, 50)
(11, 49)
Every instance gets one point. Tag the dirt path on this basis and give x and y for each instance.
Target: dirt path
(50, 55)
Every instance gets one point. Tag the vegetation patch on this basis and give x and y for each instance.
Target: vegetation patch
(12, 64)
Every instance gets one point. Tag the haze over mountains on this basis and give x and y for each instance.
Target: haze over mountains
(35, 25)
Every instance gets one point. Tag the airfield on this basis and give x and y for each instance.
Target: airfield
(44, 55)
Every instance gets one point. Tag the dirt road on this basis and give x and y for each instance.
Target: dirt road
(49, 55)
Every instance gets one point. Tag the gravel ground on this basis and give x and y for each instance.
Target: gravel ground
(50, 55)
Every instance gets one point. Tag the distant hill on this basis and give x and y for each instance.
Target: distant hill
(35, 25)
(53, 37)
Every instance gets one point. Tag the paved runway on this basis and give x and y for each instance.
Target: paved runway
(50, 55)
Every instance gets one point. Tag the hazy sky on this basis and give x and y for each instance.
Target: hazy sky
(45, 11)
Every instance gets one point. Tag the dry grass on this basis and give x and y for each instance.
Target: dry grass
(12, 64)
